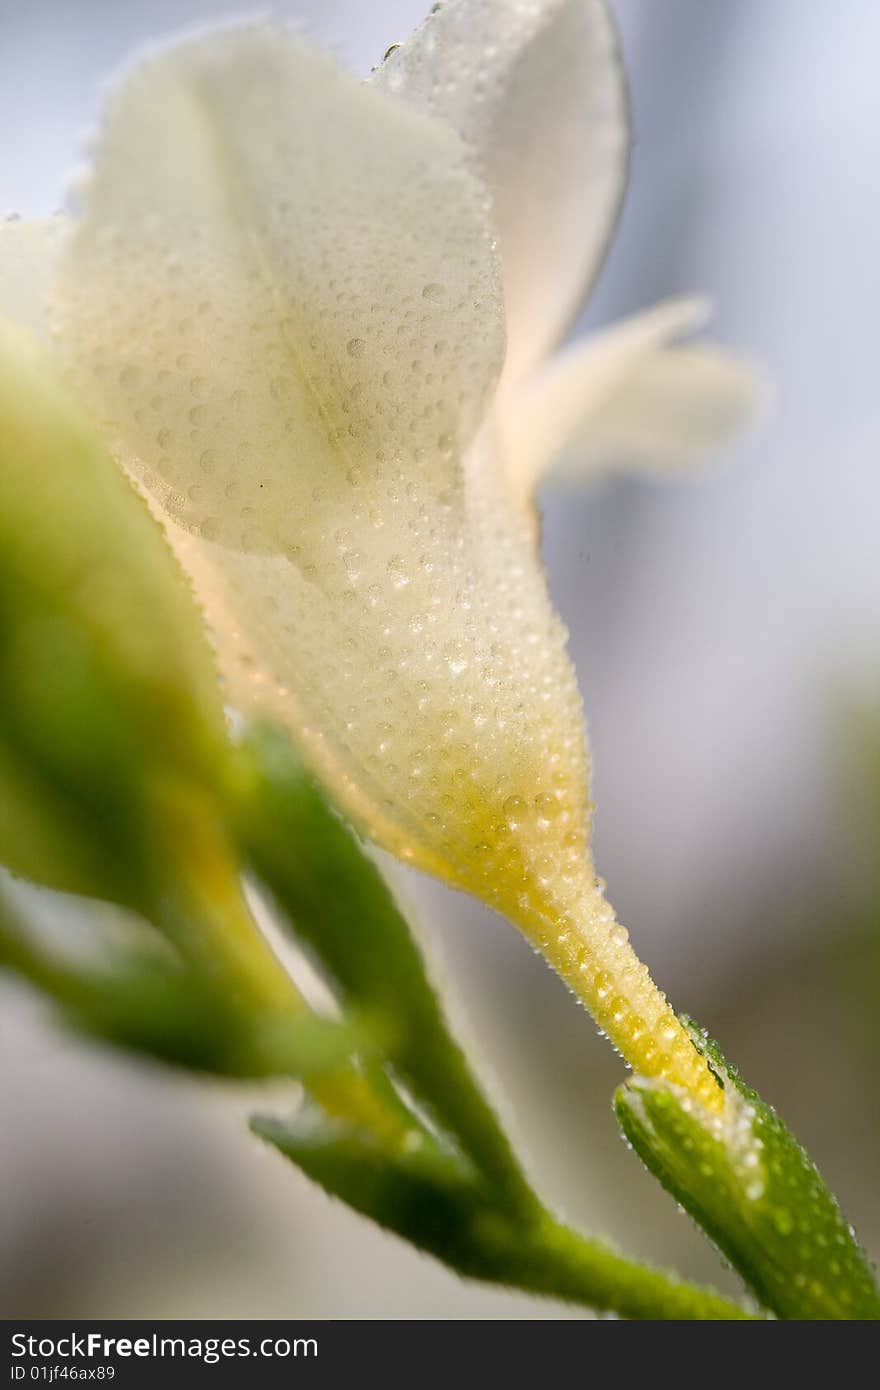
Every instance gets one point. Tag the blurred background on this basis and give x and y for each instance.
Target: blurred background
(726, 634)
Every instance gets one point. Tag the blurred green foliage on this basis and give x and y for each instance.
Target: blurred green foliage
(108, 697)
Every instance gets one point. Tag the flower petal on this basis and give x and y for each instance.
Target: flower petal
(680, 404)
(279, 275)
(282, 301)
(536, 89)
(628, 398)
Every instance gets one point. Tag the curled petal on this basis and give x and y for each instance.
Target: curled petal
(628, 398)
(536, 90)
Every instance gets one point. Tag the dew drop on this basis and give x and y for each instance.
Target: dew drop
(604, 984)
(397, 569)
(547, 807)
(782, 1220)
(515, 811)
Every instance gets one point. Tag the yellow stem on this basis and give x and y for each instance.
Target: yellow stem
(221, 932)
(591, 951)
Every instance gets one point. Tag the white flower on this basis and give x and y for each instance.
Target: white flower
(282, 302)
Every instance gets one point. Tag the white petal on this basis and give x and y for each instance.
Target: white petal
(628, 398)
(282, 302)
(274, 260)
(28, 254)
(536, 89)
(679, 405)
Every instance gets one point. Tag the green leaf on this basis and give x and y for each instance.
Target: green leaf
(144, 998)
(747, 1182)
(439, 1203)
(427, 1196)
(339, 902)
(42, 838)
(108, 698)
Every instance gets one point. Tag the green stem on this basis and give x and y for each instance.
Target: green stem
(546, 1258)
(559, 1262)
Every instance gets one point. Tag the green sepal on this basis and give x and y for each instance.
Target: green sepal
(430, 1198)
(144, 998)
(340, 904)
(755, 1192)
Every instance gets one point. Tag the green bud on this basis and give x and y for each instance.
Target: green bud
(747, 1182)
